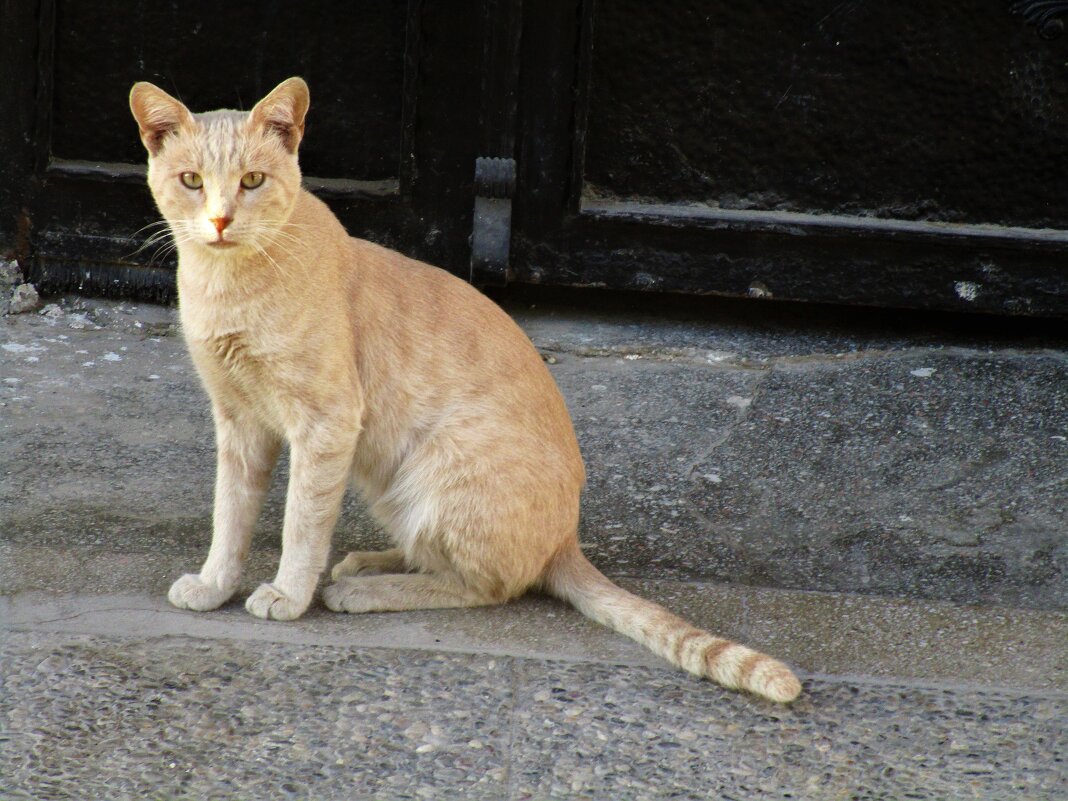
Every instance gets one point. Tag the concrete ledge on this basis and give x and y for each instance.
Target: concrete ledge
(793, 454)
(923, 642)
(736, 467)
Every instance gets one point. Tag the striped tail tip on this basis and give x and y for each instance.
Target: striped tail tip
(571, 577)
(741, 668)
(776, 683)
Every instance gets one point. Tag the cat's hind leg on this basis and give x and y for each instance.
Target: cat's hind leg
(401, 592)
(454, 522)
(370, 563)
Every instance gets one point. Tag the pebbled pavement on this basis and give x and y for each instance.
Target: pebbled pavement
(179, 718)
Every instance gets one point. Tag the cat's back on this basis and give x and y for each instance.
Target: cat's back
(412, 314)
(435, 341)
(430, 316)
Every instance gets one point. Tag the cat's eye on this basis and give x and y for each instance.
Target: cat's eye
(251, 180)
(192, 180)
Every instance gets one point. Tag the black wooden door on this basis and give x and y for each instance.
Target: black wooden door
(905, 154)
(901, 154)
(391, 138)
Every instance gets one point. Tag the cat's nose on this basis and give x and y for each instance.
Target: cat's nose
(220, 223)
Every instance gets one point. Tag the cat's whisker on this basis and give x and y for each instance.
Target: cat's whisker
(284, 246)
(159, 258)
(269, 258)
(269, 232)
(256, 235)
(282, 270)
(152, 239)
(180, 233)
(163, 252)
(160, 252)
(287, 251)
(281, 235)
(283, 221)
(154, 224)
(279, 226)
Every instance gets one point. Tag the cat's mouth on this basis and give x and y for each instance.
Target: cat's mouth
(222, 243)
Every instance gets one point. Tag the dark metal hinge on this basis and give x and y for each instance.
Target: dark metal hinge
(495, 171)
(491, 234)
(1044, 15)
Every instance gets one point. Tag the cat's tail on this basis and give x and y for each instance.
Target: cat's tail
(571, 577)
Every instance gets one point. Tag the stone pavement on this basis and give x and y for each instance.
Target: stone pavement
(879, 499)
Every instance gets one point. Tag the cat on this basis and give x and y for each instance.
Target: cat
(384, 372)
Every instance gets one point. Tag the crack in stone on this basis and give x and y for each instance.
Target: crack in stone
(713, 358)
(27, 625)
(741, 415)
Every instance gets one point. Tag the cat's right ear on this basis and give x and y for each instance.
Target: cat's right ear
(158, 115)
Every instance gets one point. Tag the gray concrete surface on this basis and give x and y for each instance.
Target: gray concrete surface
(825, 634)
(789, 458)
(883, 508)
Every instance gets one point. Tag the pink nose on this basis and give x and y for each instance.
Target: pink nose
(220, 223)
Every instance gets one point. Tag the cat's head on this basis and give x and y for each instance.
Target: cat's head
(225, 181)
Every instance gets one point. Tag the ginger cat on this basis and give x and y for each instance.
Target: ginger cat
(382, 371)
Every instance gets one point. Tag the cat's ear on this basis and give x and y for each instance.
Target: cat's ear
(282, 111)
(158, 115)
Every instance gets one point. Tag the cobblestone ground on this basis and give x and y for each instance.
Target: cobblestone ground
(178, 718)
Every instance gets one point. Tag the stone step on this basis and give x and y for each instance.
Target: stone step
(921, 464)
(822, 634)
(883, 511)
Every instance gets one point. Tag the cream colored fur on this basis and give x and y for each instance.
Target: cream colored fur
(382, 371)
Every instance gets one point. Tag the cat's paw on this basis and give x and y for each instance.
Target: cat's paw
(191, 592)
(347, 595)
(369, 563)
(351, 565)
(271, 603)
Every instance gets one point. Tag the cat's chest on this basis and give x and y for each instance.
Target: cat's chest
(234, 350)
(231, 348)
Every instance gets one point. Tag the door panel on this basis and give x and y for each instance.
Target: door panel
(907, 154)
(910, 111)
(229, 55)
(390, 141)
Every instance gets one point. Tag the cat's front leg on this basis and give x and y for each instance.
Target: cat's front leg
(246, 455)
(320, 467)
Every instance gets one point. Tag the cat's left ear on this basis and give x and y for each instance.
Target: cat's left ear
(282, 111)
